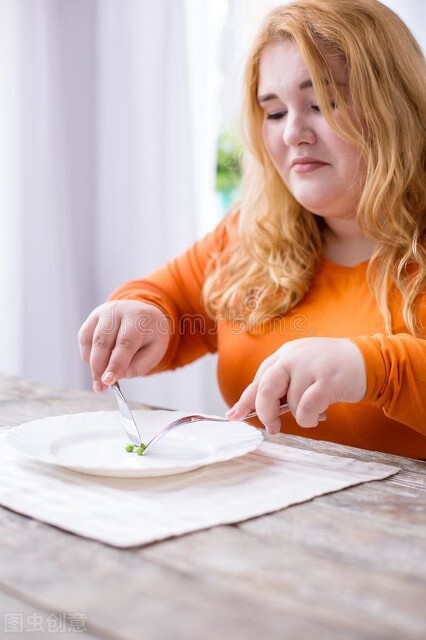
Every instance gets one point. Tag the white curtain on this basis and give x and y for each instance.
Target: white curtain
(48, 190)
(11, 310)
(97, 175)
(155, 185)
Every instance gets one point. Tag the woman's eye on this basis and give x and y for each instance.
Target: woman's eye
(317, 109)
(276, 116)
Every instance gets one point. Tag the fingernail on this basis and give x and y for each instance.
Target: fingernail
(232, 412)
(274, 429)
(108, 377)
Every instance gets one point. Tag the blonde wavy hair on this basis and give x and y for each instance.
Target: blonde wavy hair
(276, 244)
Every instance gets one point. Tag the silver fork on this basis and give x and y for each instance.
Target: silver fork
(198, 418)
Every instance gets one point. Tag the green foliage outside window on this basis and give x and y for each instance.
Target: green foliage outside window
(229, 163)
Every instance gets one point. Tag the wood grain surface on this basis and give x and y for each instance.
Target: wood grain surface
(348, 565)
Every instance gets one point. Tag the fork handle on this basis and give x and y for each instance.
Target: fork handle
(283, 409)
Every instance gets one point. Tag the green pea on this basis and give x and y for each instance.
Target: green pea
(140, 449)
(130, 447)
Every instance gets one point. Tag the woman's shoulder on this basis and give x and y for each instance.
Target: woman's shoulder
(225, 232)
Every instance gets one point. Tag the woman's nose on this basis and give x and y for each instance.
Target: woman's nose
(297, 131)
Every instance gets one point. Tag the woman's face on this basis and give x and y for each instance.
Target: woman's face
(323, 173)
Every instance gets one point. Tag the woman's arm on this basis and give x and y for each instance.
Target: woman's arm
(396, 376)
(314, 373)
(176, 289)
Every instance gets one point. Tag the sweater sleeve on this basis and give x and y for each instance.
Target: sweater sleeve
(396, 376)
(176, 288)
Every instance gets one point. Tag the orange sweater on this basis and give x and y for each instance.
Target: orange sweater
(392, 417)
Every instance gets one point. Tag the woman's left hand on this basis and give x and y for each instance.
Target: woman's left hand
(313, 373)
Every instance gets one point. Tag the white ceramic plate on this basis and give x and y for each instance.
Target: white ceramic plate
(95, 443)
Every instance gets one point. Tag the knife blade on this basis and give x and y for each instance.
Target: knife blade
(127, 419)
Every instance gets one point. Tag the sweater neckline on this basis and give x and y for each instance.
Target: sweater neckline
(335, 267)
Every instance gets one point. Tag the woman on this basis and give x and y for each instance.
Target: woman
(313, 288)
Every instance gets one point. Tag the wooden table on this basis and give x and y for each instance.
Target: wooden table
(346, 565)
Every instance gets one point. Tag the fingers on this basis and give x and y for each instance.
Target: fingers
(312, 406)
(308, 399)
(246, 402)
(123, 339)
(143, 361)
(108, 341)
(91, 340)
(85, 336)
(112, 352)
(272, 386)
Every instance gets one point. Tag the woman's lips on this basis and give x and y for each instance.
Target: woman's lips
(307, 167)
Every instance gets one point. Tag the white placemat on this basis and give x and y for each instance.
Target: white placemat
(130, 512)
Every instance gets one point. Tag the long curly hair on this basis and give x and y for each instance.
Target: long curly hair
(276, 243)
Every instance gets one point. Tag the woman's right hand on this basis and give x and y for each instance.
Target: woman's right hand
(123, 339)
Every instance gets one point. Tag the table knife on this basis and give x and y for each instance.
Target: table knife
(127, 419)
